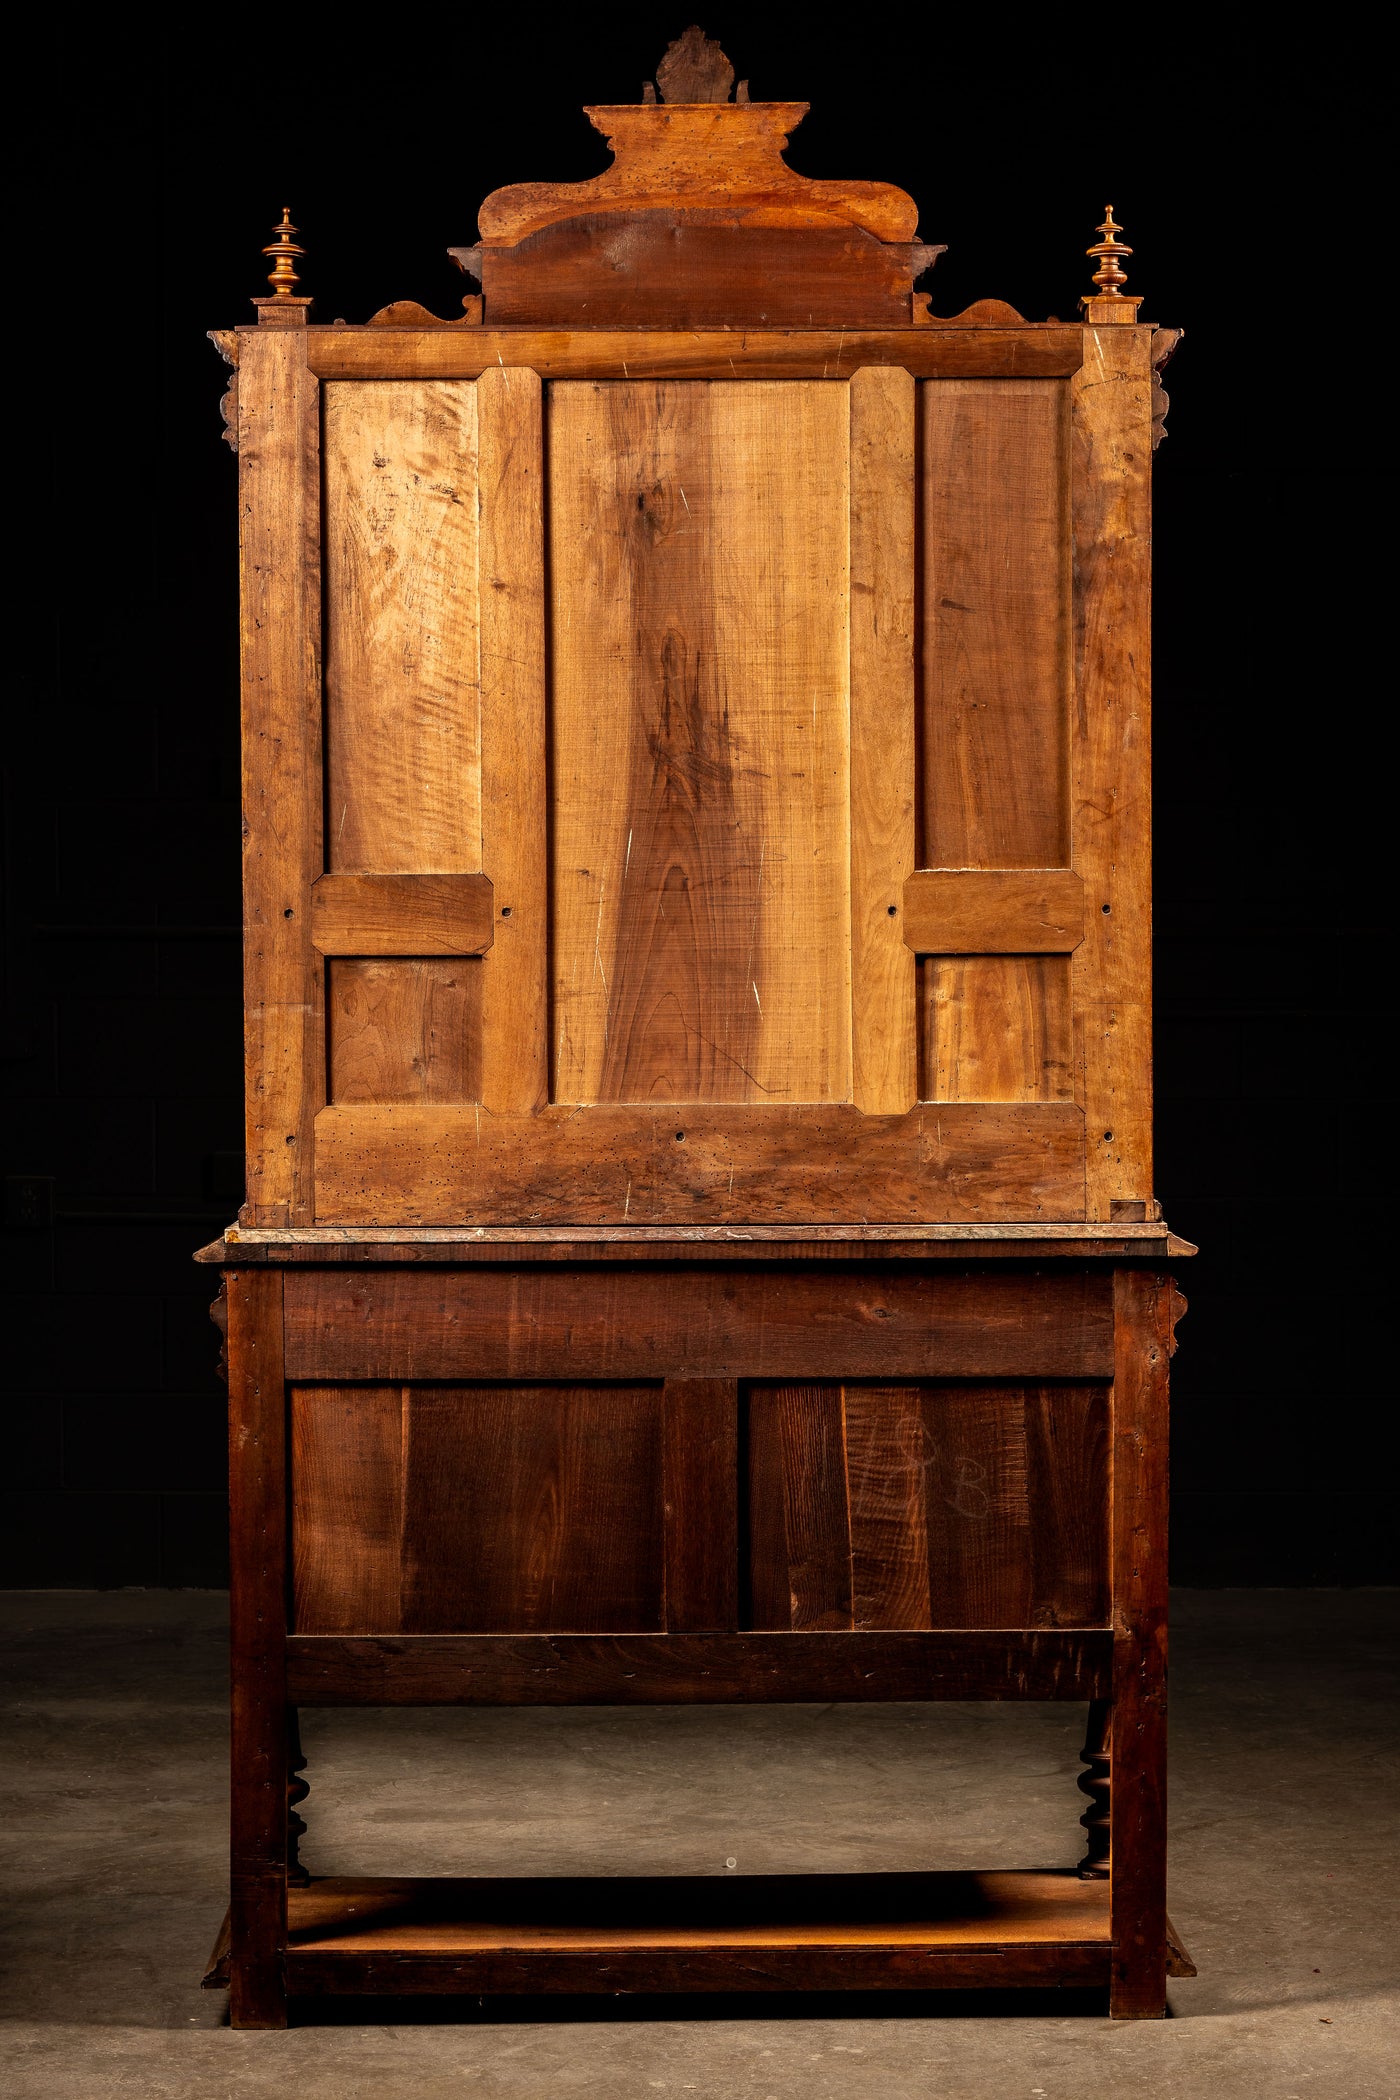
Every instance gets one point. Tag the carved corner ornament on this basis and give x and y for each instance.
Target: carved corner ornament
(1164, 342)
(225, 341)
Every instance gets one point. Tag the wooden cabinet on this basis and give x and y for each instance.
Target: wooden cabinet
(700, 1240)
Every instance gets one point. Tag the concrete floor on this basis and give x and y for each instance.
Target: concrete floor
(1283, 1870)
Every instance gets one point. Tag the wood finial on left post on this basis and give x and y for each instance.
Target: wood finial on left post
(284, 309)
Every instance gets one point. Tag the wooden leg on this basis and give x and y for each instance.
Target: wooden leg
(1143, 1310)
(257, 1492)
(1096, 1782)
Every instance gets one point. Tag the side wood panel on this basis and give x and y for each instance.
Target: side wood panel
(698, 1164)
(877, 1507)
(478, 1509)
(667, 1669)
(402, 914)
(280, 597)
(700, 789)
(404, 1029)
(995, 1028)
(403, 755)
(695, 1323)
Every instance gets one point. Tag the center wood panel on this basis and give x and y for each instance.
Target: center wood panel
(478, 1509)
(701, 766)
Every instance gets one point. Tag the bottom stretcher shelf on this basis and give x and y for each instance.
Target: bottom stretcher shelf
(730, 1932)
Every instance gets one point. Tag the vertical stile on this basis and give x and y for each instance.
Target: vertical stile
(515, 987)
(279, 552)
(1111, 982)
(884, 1047)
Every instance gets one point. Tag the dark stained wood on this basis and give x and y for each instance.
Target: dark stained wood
(701, 1504)
(799, 1533)
(740, 1163)
(725, 1669)
(404, 1029)
(700, 353)
(1138, 1801)
(495, 1244)
(695, 1323)
(739, 1932)
(886, 1439)
(347, 1507)
(402, 914)
(257, 1539)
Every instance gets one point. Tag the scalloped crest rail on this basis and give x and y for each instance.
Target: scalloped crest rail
(700, 1241)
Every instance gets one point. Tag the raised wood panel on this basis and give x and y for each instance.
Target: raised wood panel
(996, 635)
(404, 1029)
(696, 1322)
(401, 914)
(403, 764)
(700, 786)
(699, 1164)
(995, 1028)
(700, 353)
(878, 1507)
(504, 1509)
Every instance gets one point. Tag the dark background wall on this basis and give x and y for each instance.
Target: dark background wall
(154, 177)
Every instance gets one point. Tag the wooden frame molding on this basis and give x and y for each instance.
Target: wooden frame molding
(402, 914)
(993, 911)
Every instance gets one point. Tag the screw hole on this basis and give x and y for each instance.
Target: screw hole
(289, 913)
(1108, 1137)
(505, 911)
(1107, 908)
(680, 1137)
(892, 909)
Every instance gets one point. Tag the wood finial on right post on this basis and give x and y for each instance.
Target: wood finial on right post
(1110, 302)
(284, 309)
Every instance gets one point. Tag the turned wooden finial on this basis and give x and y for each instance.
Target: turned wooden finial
(282, 248)
(1108, 301)
(1109, 278)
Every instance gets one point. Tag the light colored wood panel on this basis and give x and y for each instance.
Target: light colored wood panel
(966, 911)
(723, 353)
(515, 981)
(996, 1028)
(404, 1029)
(700, 724)
(887, 1474)
(884, 1032)
(402, 914)
(347, 1507)
(996, 602)
(403, 768)
(1112, 970)
(706, 1165)
(279, 557)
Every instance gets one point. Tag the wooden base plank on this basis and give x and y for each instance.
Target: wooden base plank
(699, 1933)
(551, 1669)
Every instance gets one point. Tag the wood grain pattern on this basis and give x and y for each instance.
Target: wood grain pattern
(515, 846)
(700, 353)
(349, 1452)
(1143, 1328)
(700, 781)
(748, 1164)
(996, 606)
(280, 599)
(692, 1321)
(995, 1028)
(724, 1669)
(403, 760)
(478, 1509)
(1112, 972)
(401, 914)
(581, 1245)
(701, 1502)
(884, 1040)
(883, 1507)
(257, 1635)
(974, 911)
(404, 1030)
